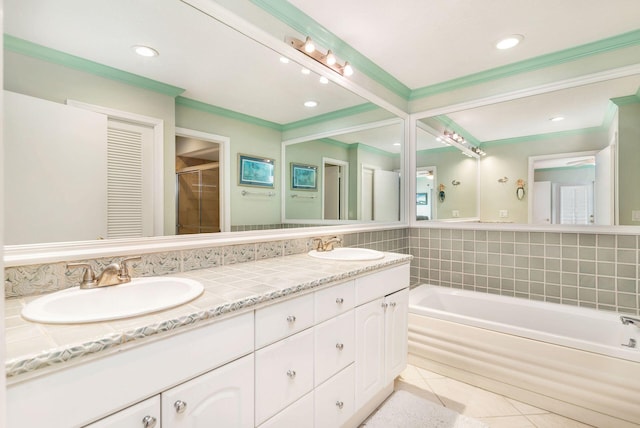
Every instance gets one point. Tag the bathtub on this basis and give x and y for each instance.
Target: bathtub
(565, 359)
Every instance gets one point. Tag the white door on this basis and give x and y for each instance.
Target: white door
(604, 187)
(332, 192)
(130, 186)
(370, 372)
(542, 202)
(222, 397)
(386, 195)
(366, 195)
(396, 333)
(58, 172)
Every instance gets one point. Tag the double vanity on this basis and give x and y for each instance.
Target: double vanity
(294, 341)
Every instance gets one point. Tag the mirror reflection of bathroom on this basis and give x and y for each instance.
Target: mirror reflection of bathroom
(425, 179)
(566, 187)
(197, 186)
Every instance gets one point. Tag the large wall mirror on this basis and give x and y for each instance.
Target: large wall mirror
(105, 134)
(566, 157)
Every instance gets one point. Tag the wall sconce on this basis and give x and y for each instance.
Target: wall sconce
(455, 182)
(455, 137)
(328, 60)
(503, 180)
(520, 189)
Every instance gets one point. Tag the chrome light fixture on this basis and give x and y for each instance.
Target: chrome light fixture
(329, 59)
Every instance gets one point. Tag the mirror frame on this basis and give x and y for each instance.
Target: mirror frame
(508, 96)
(17, 255)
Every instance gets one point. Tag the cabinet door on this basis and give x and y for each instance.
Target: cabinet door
(145, 414)
(396, 319)
(370, 373)
(222, 397)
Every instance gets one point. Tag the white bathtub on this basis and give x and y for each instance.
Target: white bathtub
(565, 359)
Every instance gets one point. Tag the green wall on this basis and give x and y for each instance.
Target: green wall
(629, 161)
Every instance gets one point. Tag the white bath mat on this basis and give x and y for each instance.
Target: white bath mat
(405, 410)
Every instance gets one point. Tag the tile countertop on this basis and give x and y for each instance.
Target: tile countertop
(233, 289)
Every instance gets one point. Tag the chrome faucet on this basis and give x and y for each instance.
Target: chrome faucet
(113, 274)
(626, 320)
(326, 245)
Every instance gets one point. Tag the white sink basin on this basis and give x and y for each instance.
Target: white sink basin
(138, 297)
(347, 254)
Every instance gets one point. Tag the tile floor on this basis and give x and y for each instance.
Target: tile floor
(495, 410)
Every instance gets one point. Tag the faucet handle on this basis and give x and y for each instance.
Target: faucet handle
(88, 278)
(124, 267)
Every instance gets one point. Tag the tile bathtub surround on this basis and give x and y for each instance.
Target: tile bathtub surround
(38, 279)
(581, 269)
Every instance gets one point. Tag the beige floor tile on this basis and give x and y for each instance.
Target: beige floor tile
(508, 422)
(426, 374)
(471, 401)
(420, 390)
(551, 420)
(526, 409)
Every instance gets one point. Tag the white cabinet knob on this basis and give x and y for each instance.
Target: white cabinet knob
(384, 305)
(149, 422)
(291, 318)
(339, 346)
(393, 304)
(340, 404)
(180, 406)
(339, 300)
(291, 373)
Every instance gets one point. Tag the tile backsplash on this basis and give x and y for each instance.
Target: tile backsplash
(581, 269)
(38, 279)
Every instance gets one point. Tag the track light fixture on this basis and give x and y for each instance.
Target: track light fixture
(329, 59)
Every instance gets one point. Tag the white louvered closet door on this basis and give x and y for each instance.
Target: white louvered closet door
(129, 182)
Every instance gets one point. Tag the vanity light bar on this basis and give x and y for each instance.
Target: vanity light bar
(308, 48)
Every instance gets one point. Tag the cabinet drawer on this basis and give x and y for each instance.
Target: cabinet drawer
(134, 416)
(283, 319)
(334, 301)
(335, 399)
(296, 415)
(335, 346)
(284, 373)
(381, 283)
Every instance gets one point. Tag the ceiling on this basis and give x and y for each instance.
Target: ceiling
(423, 43)
(418, 42)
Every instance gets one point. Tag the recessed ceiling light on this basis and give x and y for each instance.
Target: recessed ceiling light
(145, 51)
(557, 118)
(324, 80)
(284, 60)
(306, 71)
(509, 42)
(310, 104)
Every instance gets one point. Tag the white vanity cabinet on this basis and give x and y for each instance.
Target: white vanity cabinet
(323, 359)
